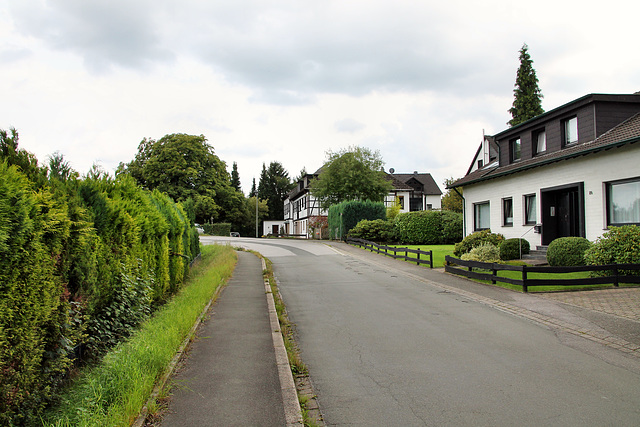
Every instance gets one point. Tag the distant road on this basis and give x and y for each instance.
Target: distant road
(385, 349)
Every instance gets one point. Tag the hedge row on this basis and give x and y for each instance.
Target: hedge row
(344, 216)
(82, 262)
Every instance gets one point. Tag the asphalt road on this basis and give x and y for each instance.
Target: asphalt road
(386, 349)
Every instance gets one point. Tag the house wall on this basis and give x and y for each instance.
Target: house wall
(434, 201)
(594, 170)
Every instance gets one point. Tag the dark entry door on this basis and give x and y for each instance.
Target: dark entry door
(562, 212)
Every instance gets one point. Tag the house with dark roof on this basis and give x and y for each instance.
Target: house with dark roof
(572, 171)
(417, 191)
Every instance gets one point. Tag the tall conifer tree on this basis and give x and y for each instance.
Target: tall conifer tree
(527, 102)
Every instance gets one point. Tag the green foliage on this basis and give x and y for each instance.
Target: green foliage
(429, 227)
(351, 174)
(510, 248)
(82, 263)
(274, 187)
(393, 211)
(185, 167)
(527, 102)
(451, 200)
(218, 229)
(619, 245)
(344, 216)
(567, 251)
(377, 230)
(477, 239)
(485, 252)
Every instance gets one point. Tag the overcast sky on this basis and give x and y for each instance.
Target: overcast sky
(287, 80)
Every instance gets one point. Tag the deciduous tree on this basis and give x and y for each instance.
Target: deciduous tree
(451, 201)
(354, 173)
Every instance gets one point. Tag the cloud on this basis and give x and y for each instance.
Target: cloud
(104, 33)
(348, 126)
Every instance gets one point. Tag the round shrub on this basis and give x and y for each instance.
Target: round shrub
(377, 230)
(619, 245)
(486, 252)
(477, 239)
(567, 251)
(510, 248)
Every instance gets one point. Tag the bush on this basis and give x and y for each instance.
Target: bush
(567, 251)
(510, 248)
(429, 227)
(477, 239)
(217, 229)
(344, 216)
(486, 252)
(377, 230)
(619, 245)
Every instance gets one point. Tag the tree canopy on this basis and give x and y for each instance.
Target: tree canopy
(354, 173)
(274, 187)
(186, 167)
(527, 102)
(451, 201)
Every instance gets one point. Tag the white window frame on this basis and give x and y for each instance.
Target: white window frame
(477, 224)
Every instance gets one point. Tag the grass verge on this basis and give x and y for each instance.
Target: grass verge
(114, 391)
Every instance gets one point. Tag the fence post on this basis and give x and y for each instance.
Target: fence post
(615, 276)
(524, 279)
(418, 258)
(494, 273)
(430, 259)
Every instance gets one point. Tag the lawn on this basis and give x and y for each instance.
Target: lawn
(439, 252)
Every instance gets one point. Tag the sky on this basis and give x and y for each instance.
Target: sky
(290, 80)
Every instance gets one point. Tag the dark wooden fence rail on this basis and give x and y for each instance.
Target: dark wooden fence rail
(394, 252)
(619, 273)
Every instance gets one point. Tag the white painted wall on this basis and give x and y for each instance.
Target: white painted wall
(594, 170)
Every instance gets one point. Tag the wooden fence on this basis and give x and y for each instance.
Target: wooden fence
(395, 252)
(619, 273)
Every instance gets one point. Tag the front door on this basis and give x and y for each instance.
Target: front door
(562, 212)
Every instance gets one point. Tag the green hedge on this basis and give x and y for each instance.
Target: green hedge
(476, 239)
(217, 229)
(429, 227)
(377, 230)
(346, 215)
(510, 248)
(82, 263)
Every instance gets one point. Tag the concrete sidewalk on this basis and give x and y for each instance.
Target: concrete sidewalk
(231, 374)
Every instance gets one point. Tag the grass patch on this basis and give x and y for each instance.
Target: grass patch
(439, 252)
(113, 392)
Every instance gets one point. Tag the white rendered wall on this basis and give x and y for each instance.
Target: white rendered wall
(594, 170)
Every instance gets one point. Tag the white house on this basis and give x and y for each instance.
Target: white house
(572, 171)
(417, 191)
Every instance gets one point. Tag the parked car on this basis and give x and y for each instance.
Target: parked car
(234, 234)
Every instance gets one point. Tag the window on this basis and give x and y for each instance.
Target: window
(514, 149)
(539, 142)
(481, 214)
(570, 131)
(401, 202)
(623, 202)
(530, 209)
(507, 212)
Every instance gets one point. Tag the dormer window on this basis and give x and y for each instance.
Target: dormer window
(514, 149)
(539, 141)
(570, 131)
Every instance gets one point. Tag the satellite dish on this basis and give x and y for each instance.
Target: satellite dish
(392, 170)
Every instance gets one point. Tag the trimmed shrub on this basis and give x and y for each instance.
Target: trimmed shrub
(217, 229)
(377, 230)
(510, 248)
(619, 245)
(485, 252)
(567, 251)
(346, 215)
(477, 239)
(429, 227)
